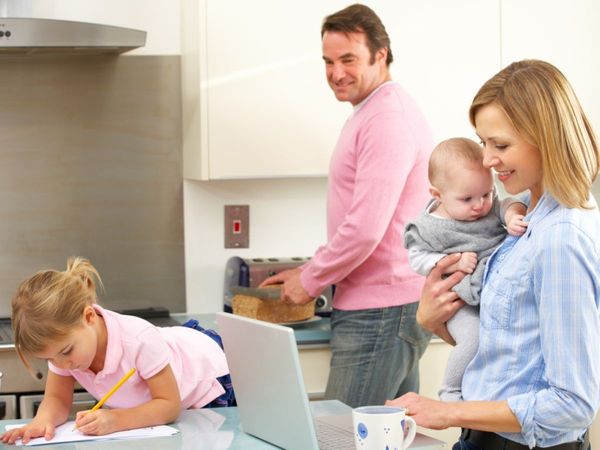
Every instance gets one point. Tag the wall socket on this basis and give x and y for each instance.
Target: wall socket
(237, 226)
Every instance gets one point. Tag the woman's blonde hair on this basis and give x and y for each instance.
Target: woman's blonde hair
(49, 304)
(543, 108)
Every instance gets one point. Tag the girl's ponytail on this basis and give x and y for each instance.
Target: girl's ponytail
(49, 304)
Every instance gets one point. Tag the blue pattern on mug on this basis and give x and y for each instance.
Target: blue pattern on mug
(362, 430)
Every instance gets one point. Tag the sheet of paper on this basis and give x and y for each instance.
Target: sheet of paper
(65, 433)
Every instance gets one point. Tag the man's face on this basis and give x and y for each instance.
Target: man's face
(350, 73)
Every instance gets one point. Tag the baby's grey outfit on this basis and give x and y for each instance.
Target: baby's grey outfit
(430, 238)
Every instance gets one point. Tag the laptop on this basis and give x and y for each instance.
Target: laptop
(269, 387)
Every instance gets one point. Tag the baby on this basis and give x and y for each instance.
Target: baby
(464, 216)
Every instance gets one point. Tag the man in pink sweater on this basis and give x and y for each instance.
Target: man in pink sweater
(377, 183)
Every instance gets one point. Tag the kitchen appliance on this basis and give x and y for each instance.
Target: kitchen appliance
(31, 36)
(22, 392)
(29, 404)
(250, 272)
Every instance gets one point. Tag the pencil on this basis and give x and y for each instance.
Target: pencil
(112, 391)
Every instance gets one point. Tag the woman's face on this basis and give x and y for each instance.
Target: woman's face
(517, 163)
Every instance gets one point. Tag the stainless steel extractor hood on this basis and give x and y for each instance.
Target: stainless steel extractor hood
(33, 36)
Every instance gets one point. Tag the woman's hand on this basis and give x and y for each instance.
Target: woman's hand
(34, 429)
(493, 416)
(438, 302)
(102, 421)
(426, 412)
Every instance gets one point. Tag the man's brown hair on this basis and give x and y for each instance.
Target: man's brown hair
(360, 19)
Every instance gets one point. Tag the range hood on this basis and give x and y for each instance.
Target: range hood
(19, 36)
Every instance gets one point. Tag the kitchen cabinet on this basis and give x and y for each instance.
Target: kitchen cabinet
(314, 363)
(258, 105)
(255, 99)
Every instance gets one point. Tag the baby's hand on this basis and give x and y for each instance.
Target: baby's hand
(467, 262)
(28, 432)
(516, 225)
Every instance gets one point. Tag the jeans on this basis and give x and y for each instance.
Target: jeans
(375, 354)
(228, 397)
(462, 445)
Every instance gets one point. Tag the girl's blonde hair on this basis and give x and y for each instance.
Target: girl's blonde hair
(49, 304)
(543, 108)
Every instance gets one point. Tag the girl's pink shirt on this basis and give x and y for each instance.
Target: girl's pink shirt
(196, 361)
(377, 183)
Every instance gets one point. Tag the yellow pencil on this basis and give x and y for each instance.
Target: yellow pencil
(112, 391)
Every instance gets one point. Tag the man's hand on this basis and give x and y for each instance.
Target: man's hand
(280, 277)
(291, 290)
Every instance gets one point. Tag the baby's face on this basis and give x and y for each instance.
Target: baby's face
(467, 192)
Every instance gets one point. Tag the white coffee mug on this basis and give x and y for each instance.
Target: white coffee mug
(382, 428)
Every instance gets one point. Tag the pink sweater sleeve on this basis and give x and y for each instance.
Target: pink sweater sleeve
(385, 154)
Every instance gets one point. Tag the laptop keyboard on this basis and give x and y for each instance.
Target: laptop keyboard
(331, 437)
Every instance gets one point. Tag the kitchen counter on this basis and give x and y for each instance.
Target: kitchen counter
(314, 333)
(202, 429)
(313, 344)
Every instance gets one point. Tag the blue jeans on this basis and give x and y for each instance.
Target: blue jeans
(375, 354)
(227, 398)
(463, 445)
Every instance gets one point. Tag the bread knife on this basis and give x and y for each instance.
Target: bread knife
(273, 293)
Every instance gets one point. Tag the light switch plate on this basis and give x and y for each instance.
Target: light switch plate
(237, 226)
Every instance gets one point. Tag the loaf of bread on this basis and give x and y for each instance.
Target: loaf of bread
(274, 311)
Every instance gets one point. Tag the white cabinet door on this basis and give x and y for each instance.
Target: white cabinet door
(565, 34)
(256, 101)
(271, 113)
(265, 108)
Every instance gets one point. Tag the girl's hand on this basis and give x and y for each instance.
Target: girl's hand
(102, 421)
(426, 412)
(29, 431)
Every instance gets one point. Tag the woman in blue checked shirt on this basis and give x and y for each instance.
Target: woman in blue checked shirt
(535, 380)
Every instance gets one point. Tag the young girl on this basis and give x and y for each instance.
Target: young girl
(56, 317)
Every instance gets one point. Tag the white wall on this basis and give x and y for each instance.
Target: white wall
(287, 218)
(562, 33)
